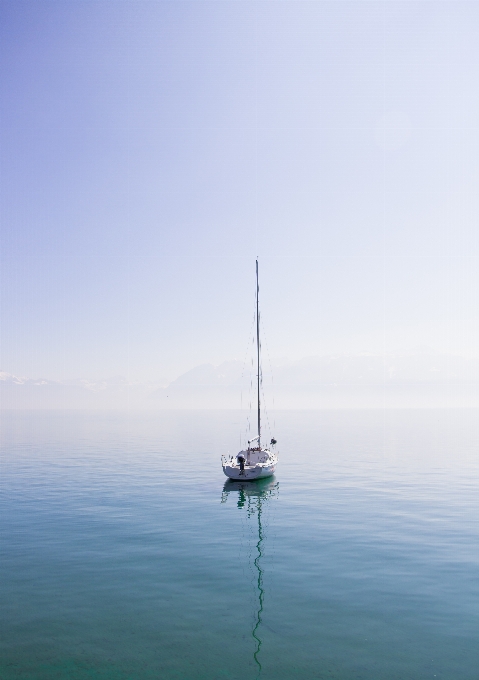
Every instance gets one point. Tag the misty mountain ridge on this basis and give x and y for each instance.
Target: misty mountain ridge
(338, 369)
(365, 380)
(425, 380)
(19, 392)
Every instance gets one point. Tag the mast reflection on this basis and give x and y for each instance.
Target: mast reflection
(253, 496)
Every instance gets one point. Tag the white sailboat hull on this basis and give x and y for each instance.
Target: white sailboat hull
(249, 473)
(256, 463)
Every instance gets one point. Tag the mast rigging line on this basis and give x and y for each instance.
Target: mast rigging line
(272, 389)
(243, 368)
(258, 354)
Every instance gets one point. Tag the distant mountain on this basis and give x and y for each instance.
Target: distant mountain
(332, 381)
(227, 373)
(355, 381)
(373, 369)
(27, 393)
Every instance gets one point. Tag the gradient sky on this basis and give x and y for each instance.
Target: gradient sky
(150, 150)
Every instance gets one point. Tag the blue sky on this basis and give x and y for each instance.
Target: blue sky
(150, 150)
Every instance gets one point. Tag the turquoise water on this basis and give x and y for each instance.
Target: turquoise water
(125, 555)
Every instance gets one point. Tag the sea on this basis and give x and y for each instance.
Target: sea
(126, 554)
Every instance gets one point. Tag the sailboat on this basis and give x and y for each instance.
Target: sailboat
(255, 462)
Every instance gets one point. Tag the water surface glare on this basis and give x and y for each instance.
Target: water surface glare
(124, 554)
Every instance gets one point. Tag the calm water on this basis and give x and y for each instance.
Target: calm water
(125, 555)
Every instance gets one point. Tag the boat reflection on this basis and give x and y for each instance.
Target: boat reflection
(253, 496)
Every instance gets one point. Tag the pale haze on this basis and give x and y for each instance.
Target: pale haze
(150, 151)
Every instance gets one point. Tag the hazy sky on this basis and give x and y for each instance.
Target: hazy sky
(150, 150)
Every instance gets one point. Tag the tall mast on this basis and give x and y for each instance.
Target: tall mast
(257, 348)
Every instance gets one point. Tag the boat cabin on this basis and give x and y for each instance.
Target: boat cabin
(253, 456)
